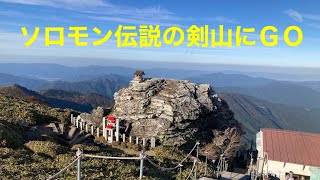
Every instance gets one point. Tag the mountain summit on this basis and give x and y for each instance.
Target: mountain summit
(178, 113)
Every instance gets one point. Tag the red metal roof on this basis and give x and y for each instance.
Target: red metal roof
(292, 146)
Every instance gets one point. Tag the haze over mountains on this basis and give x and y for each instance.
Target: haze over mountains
(255, 113)
(256, 101)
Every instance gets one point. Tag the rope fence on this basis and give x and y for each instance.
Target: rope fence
(180, 163)
(114, 158)
(194, 164)
(163, 168)
(142, 157)
(65, 168)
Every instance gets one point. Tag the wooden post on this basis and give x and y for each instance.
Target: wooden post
(130, 139)
(123, 137)
(77, 123)
(195, 171)
(137, 140)
(111, 136)
(117, 130)
(206, 164)
(71, 118)
(143, 142)
(98, 131)
(79, 152)
(141, 165)
(104, 127)
(92, 130)
(153, 142)
(81, 125)
(106, 135)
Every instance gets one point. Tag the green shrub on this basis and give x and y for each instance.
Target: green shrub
(86, 148)
(46, 148)
(9, 137)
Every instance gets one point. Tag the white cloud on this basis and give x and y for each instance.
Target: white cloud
(129, 20)
(67, 4)
(222, 19)
(315, 17)
(103, 10)
(295, 15)
(100, 7)
(10, 13)
(309, 19)
(300, 17)
(317, 26)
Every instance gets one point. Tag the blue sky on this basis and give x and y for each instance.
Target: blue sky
(106, 15)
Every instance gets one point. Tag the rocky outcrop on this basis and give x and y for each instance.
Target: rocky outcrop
(96, 115)
(178, 112)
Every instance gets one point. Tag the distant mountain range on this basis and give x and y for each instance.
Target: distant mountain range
(315, 85)
(55, 72)
(298, 94)
(58, 98)
(105, 86)
(255, 113)
(230, 80)
(251, 112)
(282, 93)
(8, 79)
(256, 101)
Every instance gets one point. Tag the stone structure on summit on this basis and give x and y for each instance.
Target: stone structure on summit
(179, 113)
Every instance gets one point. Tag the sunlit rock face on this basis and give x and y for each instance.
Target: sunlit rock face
(177, 112)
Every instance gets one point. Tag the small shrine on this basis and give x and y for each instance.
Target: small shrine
(139, 75)
(111, 125)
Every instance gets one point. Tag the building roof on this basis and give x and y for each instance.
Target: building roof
(139, 73)
(292, 146)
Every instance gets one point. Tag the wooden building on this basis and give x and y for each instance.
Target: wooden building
(288, 154)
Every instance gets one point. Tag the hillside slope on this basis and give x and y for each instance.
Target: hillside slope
(230, 80)
(105, 86)
(92, 100)
(27, 152)
(7, 79)
(58, 98)
(282, 93)
(254, 114)
(305, 94)
(13, 109)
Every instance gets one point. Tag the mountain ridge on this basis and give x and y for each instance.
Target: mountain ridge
(57, 98)
(254, 113)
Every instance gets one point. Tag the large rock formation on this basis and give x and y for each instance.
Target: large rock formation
(178, 113)
(96, 115)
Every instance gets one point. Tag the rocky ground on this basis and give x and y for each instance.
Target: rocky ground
(26, 153)
(179, 113)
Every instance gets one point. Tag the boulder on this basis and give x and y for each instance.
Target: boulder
(96, 116)
(177, 112)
